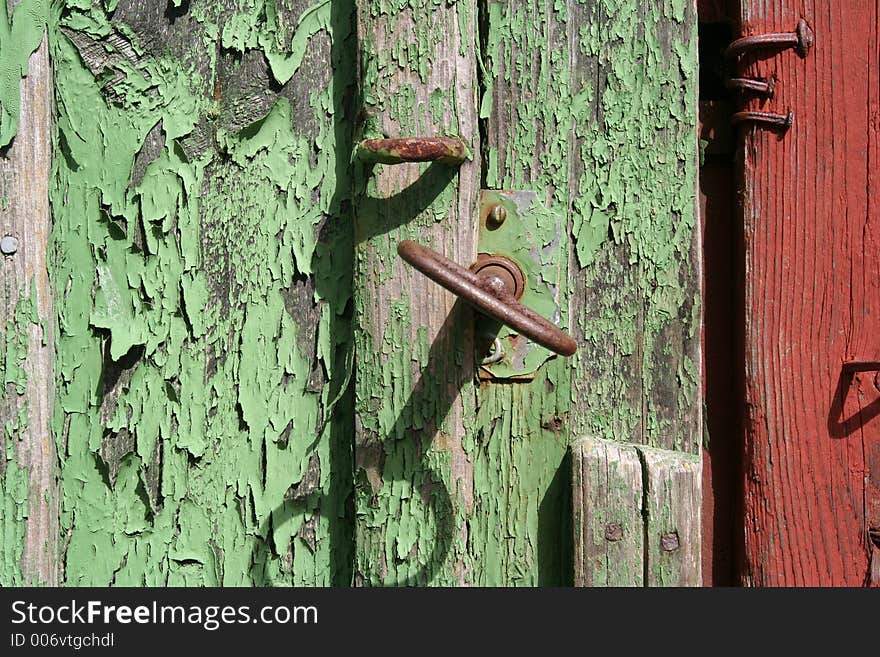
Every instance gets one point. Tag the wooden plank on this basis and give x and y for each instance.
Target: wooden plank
(29, 539)
(810, 203)
(609, 533)
(203, 270)
(563, 107)
(415, 354)
(673, 498)
(525, 426)
(635, 269)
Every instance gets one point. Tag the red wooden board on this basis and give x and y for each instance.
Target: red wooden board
(812, 301)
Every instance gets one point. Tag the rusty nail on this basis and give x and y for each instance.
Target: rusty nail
(801, 40)
(497, 216)
(669, 542)
(449, 150)
(613, 532)
(8, 245)
(763, 87)
(769, 119)
(853, 366)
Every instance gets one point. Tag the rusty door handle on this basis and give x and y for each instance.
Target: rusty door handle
(493, 290)
(449, 150)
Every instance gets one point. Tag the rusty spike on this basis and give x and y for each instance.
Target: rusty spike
(768, 119)
(762, 87)
(801, 40)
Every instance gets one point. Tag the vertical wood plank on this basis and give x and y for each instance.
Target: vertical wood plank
(609, 535)
(527, 116)
(581, 136)
(202, 266)
(29, 540)
(810, 218)
(415, 357)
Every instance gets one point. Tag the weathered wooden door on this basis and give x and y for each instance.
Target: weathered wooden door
(252, 388)
(464, 480)
(810, 200)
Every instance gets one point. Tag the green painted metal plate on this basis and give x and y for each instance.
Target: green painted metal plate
(531, 236)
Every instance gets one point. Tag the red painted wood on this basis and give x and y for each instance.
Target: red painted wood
(812, 300)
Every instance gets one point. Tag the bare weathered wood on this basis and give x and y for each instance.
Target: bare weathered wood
(609, 533)
(672, 483)
(27, 319)
(414, 342)
(636, 515)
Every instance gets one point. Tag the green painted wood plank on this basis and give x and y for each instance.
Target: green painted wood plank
(202, 258)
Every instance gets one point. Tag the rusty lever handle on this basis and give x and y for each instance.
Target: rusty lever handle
(489, 294)
(449, 150)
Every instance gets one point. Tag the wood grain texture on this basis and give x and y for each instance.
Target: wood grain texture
(636, 515)
(27, 318)
(526, 116)
(609, 533)
(812, 231)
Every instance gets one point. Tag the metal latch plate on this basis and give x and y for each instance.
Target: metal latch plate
(530, 235)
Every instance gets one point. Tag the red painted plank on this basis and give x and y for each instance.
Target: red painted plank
(812, 301)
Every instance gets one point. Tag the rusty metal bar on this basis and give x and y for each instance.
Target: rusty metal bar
(449, 150)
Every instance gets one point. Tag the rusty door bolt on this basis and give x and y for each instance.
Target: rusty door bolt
(492, 289)
(669, 542)
(613, 532)
(497, 216)
(801, 40)
(8, 245)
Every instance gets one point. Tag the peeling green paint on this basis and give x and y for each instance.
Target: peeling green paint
(590, 105)
(202, 261)
(203, 350)
(20, 35)
(14, 481)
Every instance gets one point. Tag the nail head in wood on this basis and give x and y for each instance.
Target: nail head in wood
(8, 245)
